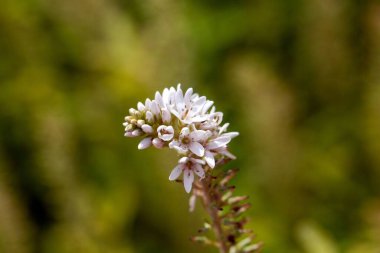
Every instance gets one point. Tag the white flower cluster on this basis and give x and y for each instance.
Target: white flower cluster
(185, 122)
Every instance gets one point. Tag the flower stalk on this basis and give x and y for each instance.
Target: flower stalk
(226, 212)
(208, 204)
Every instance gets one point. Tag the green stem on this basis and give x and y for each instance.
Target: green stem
(209, 204)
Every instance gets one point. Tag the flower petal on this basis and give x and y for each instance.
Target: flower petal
(207, 106)
(218, 142)
(197, 168)
(183, 160)
(179, 95)
(176, 172)
(188, 179)
(155, 109)
(166, 137)
(195, 160)
(166, 96)
(187, 96)
(225, 152)
(184, 133)
(200, 101)
(230, 134)
(217, 117)
(223, 128)
(149, 116)
(199, 118)
(199, 135)
(166, 116)
(210, 160)
(172, 93)
(175, 113)
(148, 102)
(197, 148)
(158, 99)
(145, 143)
(140, 106)
(178, 146)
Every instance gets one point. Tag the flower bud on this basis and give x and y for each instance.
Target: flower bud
(149, 117)
(129, 127)
(140, 122)
(158, 143)
(147, 128)
(128, 134)
(145, 143)
(140, 106)
(132, 111)
(166, 116)
(137, 132)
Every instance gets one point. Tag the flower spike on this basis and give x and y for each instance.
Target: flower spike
(190, 125)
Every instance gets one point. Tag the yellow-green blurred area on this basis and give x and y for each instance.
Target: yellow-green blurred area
(300, 81)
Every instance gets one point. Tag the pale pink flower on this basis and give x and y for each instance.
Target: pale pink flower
(188, 166)
(165, 133)
(190, 140)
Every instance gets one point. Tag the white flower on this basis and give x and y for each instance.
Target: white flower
(219, 146)
(192, 141)
(221, 140)
(189, 108)
(188, 166)
(165, 133)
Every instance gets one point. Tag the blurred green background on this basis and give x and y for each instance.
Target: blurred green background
(300, 80)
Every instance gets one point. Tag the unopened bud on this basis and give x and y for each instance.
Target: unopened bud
(149, 116)
(129, 127)
(137, 132)
(147, 128)
(140, 122)
(132, 111)
(145, 143)
(140, 106)
(128, 118)
(128, 134)
(158, 143)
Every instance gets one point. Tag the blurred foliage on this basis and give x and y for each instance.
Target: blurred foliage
(299, 79)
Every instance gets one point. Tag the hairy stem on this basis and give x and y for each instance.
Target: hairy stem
(209, 202)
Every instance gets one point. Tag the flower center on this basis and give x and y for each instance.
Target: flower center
(186, 140)
(164, 131)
